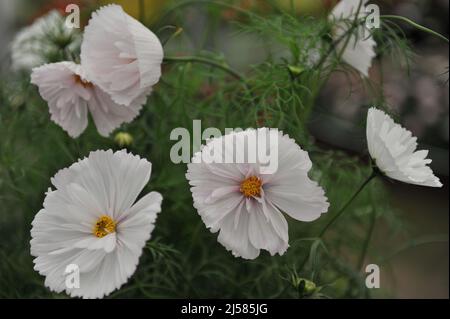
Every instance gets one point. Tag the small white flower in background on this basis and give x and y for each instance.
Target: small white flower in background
(121, 55)
(394, 150)
(91, 220)
(246, 206)
(43, 42)
(70, 96)
(360, 49)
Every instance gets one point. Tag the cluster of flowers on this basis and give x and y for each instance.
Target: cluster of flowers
(120, 62)
(91, 217)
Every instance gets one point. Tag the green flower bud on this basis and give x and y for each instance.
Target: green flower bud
(295, 70)
(123, 139)
(305, 287)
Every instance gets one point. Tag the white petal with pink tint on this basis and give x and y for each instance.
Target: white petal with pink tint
(103, 184)
(70, 95)
(247, 224)
(121, 55)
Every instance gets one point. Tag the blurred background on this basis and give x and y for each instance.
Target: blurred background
(417, 95)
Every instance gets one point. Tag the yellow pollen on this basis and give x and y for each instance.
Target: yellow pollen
(105, 225)
(251, 187)
(84, 83)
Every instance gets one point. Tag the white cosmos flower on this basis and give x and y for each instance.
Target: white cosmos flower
(245, 205)
(43, 42)
(394, 150)
(121, 55)
(70, 96)
(360, 49)
(91, 220)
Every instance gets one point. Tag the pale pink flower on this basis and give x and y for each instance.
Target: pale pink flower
(245, 206)
(71, 96)
(91, 220)
(121, 55)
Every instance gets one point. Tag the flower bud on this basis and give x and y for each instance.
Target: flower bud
(123, 139)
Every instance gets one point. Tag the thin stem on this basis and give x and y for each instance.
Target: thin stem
(225, 68)
(367, 241)
(331, 49)
(173, 35)
(347, 36)
(415, 25)
(342, 210)
(193, 59)
(354, 25)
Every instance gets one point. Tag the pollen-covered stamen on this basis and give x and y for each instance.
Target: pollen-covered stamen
(251, 187)
(84, 83)
(105, 225)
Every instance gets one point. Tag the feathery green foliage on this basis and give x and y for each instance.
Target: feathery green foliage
(183, 259)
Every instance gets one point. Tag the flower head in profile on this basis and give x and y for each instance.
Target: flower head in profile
(394, 150)
(44, 41)
(70, 95)
(121, 55)
(91, 220)
(359, 50)
(245, 205)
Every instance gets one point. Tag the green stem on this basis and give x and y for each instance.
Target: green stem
(354, 26)
(173, 35)
(330, 50)
(193, 59)
(346, 36)
(415, 25)
(367, 241)
(223, 67)
(342, 210)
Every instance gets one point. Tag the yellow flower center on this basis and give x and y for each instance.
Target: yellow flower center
(251, 187)
(84, 83)
(105, 225)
